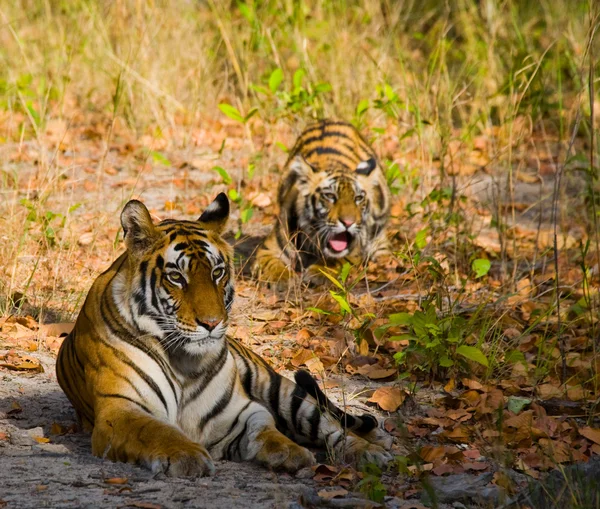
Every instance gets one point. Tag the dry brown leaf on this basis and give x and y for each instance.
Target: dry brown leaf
(314, 365)
(548, 391)
(116, 480)
(301, 357)
(592, 434)
(431, 453)
(449, 387)
(388, 398)
(376, 372)
(472, 384)
(332, 493)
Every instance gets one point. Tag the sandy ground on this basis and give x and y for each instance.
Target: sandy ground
(63, 472)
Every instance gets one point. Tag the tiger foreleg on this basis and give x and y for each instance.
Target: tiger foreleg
(272, 264)
(125, 433)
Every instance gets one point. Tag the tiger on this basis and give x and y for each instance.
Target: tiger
(334, 203)
(153, 375)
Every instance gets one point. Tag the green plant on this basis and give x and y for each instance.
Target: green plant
(435, 344)
(297, 99)
(47, 223)
(370, 485)
(244, 205)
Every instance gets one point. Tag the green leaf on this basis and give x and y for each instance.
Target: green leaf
(446, 362)
(234, 196)
(421, 238)
(345, 271)
(246, 214)
(275, 79)
(320, 311)
(232, 112)
(331, 278)
(514, 356)
(250, 114)
(282, 146)
(481, 267)
(246, 11)
(223, 173)
(400, 318)
(321, 88)
(362, 107)
(298, 77)
(160, 158)
(341, 300)
(472, 353)
(517, 404)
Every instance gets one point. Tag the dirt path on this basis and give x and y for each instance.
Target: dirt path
(63, 473)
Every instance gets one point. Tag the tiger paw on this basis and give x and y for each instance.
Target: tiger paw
(191, 461)
(274, 272)
(361, 452)
(280, 453)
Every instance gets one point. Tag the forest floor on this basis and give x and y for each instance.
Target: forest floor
(475, 435)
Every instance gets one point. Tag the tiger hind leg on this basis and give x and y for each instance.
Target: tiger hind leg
(254, 437)
(306, 419)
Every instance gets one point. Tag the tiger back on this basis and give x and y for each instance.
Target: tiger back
(151, 372)
(334, 203)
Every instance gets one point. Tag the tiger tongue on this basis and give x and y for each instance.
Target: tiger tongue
(339, 242)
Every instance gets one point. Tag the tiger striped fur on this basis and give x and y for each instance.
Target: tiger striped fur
(334, 202)
(151, 372)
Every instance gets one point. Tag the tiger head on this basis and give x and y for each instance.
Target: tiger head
(179, 286)
(334, 204)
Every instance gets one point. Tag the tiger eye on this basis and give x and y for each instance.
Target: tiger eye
(176, 277)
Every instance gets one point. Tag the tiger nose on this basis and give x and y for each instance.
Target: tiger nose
(208, 324)
(348, 222)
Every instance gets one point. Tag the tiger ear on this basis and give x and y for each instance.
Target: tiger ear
(366, 167)
(216, 215)
(140, 232)
(299, 166)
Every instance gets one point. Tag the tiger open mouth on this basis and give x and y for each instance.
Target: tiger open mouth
(340, 242)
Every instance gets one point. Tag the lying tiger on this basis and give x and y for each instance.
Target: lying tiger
(334, 203)
(150, 371)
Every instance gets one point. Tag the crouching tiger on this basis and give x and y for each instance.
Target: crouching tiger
(151, 373)
(333, 201)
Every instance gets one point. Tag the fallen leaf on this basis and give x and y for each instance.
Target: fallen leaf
(41, 440)
(4, 436)
(314, 365)
(592, 434)
(548, 391)
(301, 357)
(475, 465)
(388, 398)
(324, 472)
(376, 372)
(116, 480)
(334, 493)
(430, 453)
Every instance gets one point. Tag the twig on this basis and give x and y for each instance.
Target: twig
(557, 181)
